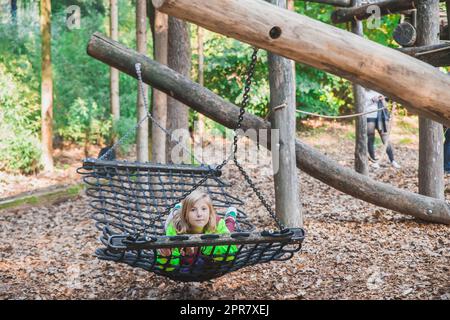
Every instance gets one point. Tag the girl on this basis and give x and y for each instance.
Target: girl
(196, 215)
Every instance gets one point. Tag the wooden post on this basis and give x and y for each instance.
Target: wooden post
(437, 55)
(141, 42)
(160, 25)
(46, 87)
(447, 6)
(361, 162)
(201, 77)
(324, 47)
(114, 73)
(179, 59)
(282, 92)
(308, 159)
(431, 156)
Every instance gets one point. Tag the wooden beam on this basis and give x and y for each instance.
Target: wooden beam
(431, 133)
(337, 3)
(447, 8)
(286, 180)
(359, 98)
(342, 15)
(325, 47)
(44, 196)
(437, 55)
(308, 159)
(295, 236)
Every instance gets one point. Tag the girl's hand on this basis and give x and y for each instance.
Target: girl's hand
(165, 252)
(188, 251)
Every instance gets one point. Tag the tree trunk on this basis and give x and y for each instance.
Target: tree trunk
(361, 163)
(282, 91)
(114, 73)
(179, 59)
(431, 155)
(141, 42)
(324, 47)
(46, 87)
(201, 70)
(309, 160)
(447, 6)
(159, 23)
(14, 12)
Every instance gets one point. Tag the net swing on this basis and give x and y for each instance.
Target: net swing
(131, 201)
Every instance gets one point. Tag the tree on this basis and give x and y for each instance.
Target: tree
(159, 25)
(46, 87)
(14, 11)
(114, 73)
(141, 43)
(179, 59)
(201, 76)
(361, 163)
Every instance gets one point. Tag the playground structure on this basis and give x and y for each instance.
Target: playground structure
(353, 57)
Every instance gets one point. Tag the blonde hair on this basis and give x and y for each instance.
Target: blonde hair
(180, 219)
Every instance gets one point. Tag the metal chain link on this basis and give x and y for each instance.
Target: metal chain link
(244, 104)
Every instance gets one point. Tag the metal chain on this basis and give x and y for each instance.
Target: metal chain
(244, 104)
(147, 116)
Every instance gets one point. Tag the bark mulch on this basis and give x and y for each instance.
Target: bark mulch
(353, 250)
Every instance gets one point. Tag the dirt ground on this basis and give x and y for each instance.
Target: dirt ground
(353, 250)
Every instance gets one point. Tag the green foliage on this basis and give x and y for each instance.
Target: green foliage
(81, 83)
(226, 63)
(19, 145)
(19, 95)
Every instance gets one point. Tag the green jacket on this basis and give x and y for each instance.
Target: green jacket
(164, 264)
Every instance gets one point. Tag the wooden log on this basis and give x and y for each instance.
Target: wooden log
(361, 148)
(431, 137)
(45, 196)
(447, 8)
(159, 107)
(437, 55)
(286, 180)
(142, 151)
(114, 73)
(343, 15)
(309, 160)
(405, 34)
(337, 3)
(325, 47)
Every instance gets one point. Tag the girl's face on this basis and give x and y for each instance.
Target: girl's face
(198, 216)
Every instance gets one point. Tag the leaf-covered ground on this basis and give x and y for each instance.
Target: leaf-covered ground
(353, 250)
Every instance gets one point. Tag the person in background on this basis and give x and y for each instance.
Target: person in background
(379, 120)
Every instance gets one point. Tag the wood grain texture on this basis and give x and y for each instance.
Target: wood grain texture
(325, 47)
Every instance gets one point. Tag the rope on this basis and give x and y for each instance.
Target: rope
(321, 115)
